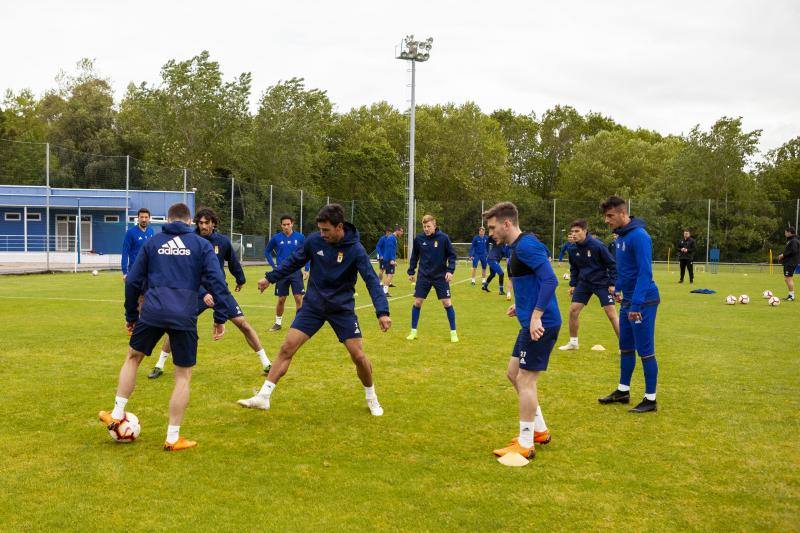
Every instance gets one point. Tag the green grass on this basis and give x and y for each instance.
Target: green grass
(721, 454)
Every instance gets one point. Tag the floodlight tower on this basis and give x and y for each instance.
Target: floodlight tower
(414, 51)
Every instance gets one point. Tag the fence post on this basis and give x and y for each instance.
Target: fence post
(630, 205)
(352, 211)
(708, 232)
(554, 228)
(270, 213)
(480, 218)
(796, 214)
(25, 227)
(184, 185)
(327, 200)
(301, 211)
(47, 209)
(232, 193)
(78, 237)
(127, 188)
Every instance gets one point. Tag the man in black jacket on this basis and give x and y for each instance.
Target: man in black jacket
(686, 248)
(789, 259)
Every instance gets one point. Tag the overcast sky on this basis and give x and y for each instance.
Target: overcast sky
(660, 65)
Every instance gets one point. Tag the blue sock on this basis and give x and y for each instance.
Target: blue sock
(627, 362)
(451, 317)
(650, 367)
(415, 316)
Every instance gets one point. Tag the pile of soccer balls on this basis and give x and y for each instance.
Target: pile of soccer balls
(745, 299)
(127, 430)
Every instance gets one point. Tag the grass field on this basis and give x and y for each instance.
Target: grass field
(722, 452)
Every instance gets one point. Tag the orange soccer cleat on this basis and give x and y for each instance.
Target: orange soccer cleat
(180, 444)
(513, 446)
(107, 419)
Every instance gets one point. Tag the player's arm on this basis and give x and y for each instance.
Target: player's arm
(268, 250)
(126, 250)
(412, 262)
(643, 252)
(373, 284)
(574, 271)
(134, 283)
(471, 252)
(293, 263)
(450, 255)
(234, 266)
(609, 263)
(536, 259)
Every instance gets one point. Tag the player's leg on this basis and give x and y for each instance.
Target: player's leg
(363, 365)
(443, 293)
(788, 277)
(611, 314)
(158, 370)
(184, 344)
(627, 362)
(483, 270)
(389, 278)
(690, 268)
(279, 309)
(644, 338)
(575, 309)
(474, 269)
(421, 290)
(683, 269)
(253, 340)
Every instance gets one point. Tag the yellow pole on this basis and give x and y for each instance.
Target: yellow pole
(770, 261)
(668, 254)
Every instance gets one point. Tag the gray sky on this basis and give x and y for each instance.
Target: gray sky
(660, 65)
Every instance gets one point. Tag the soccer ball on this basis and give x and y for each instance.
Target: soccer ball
(730, 300)
(128, 429)
(566, 275)
(774, 301)
(744, 299)
(767, 294)
(95, 272)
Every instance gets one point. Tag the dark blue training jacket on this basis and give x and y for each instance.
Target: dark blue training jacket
(435, 254)
(634, 257)
(334, 267)
(479, 245)
(223, 249)
(379, 247)
(590, 262)
(174, 264)
(534, 281)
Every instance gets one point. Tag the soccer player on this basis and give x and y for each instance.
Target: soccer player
(437, 262)
(224, 308)
(496, 254)
(640, 299)
(592, 271)
(612, 245)
(336, 257)
(686, 248)
(135, 238)
(390, 258)
(174, 264)
(478, 253)
(536, 309)
(790, 259)
(379, 253)
(282, 245)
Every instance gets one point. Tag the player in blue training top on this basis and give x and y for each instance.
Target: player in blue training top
(379, 252)
(496, 254)
(336, 257)
(593, 271)
(135, 238)
(226, 308)
(478, 253)
(282, 245)
(640, 299)
(536, 308)
(390, 257)
(437, 262)
(174, 264)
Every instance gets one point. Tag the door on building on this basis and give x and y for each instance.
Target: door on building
(66, 235)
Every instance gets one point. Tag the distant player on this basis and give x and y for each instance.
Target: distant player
(135, 238)
(790, 258)
(686, 248)
(379, 253)
(226, 308)
(437, 262)
(593, 271)
(390, 258)
(478, 253)
(612, 245)
(536, 309)
(174, 264)
(336, 257)
(282, 245)
(495, 255)
(640, 300)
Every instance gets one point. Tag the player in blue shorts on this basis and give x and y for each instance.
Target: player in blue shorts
(496, 254)
(437, 262)
(226, 308)
(593, 271)
(282, 245)
(174, 264)
(478, 253)
(640, 298)
(536, 309)
(390, 258)
(336, 257)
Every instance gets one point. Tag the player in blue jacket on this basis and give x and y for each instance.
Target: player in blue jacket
(593, 271)
(390, 257)
(174, 264)
(227, 308)
(336, 257)
(536, 309)
(640, 299)
(436, 256)
(496, 254)
(379, 252)
(135, 238)
(478, 253)
(282, 245)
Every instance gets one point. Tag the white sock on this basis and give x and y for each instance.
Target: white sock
(623, 388)
(538, 422)
(266, 389)
(262, 356)
(791, 293)
(370, 392)
(162, 359)
(119, 408)
(573, 340)
(172, 434)
(651, 397)
(525, 434)
(278, 319)
(483, 280)
(473, 280)
(385, 289)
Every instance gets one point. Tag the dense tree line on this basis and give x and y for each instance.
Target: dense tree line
(194, 118)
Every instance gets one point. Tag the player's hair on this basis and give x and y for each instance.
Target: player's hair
(502, 212)
(208, 214)
(179, 211)
(143, 210)
(398, 227)
(387, 229)
(579, 223)
(428, 218)
(614, 202)
(332, 213)
(482, 228)
(286, 216)
(791, 230)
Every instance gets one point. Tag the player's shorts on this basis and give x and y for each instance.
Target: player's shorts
(583, 293)
(389, 268)
(381, 264)
(295, 280)
(788, 270)
(424, 285)
(535, 355)
(183, 342)
(639, 336)
(344, 323)
(481, 259)
(495, 267)
(225, 308)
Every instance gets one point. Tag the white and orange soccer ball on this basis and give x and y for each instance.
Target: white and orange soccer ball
(128, 429)
(566, 275)
(774, 301)
(744, 299)
(730, 299)
(767, 294)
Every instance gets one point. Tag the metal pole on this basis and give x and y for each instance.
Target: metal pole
(480, 220)
(630, 205)
(797, 214)
(184, 185)
(232, 193)
(301, 210)
(352, 211)
(78, 237)
(554, 227)
(127, 188)
(327, 200)
(47, 209)
(708, 232)
(270, 213)
(25, 228)
(411, 202)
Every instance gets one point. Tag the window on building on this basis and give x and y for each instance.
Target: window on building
(111, 218)
(13, 216)
(35, 217)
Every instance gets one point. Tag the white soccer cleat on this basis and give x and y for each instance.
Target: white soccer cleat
(256, 402)
(569, 346)
(375, 407)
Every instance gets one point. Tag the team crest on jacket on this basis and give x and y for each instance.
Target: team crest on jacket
(216, 249)
(588, 253)
(435, 244)
(340, 257)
